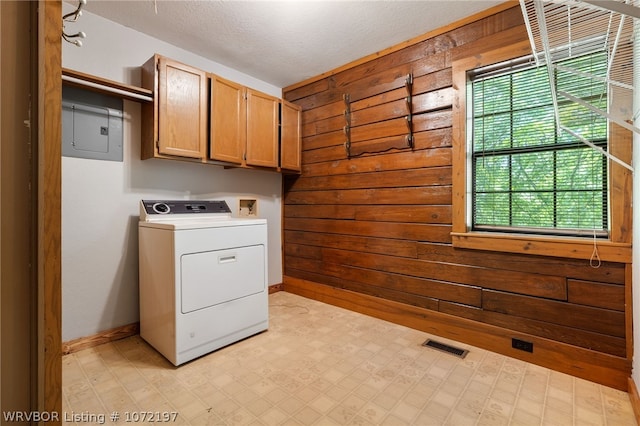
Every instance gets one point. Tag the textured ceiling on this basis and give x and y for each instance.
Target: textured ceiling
(285, 42)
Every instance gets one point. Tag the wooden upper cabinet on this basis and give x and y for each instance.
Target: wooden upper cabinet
(199, 116)
(290, 136)
(228, 121)
(176, 124)
(262, 129)
(244, 125)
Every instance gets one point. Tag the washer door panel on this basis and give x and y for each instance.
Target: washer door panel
(219, 276)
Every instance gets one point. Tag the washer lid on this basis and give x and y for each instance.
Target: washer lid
(171, 210)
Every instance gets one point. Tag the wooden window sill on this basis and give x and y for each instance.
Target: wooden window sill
(574, 248)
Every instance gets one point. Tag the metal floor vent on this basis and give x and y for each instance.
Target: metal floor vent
(460, 353)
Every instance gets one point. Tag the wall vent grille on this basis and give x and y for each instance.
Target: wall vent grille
(443, 347)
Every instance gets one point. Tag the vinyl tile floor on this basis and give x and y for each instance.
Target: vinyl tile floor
(322, 365)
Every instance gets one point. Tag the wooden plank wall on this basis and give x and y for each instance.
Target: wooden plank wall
(379, 223)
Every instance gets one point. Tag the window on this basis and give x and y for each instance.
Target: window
(527, 176)
(528, 160)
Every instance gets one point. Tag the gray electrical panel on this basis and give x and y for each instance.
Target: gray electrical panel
(91, 125)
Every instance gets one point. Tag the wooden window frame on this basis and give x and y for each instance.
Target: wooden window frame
(617, 248)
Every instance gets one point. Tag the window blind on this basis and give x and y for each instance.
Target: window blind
(526, 176)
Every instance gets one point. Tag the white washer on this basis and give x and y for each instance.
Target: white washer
(203, 277)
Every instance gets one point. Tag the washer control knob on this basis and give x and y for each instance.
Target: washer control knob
(161, 208)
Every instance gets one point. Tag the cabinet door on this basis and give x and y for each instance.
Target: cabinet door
(182, 114)
(228, 120)
(290, 137)
(262, 129)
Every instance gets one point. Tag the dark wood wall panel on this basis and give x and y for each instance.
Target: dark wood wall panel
(383, 179)
(386, 293)
(422, 140)
(404, 231)
(408, 214)
(516, 282)
(378, 222)
(596, 294)
(538, 327)
(613, 273)
(379, 281)
(436, 157)
(382, 213)
(568, 314)
(298, 240)
(411, 195)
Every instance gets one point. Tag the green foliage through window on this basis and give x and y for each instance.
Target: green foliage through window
(526, 175)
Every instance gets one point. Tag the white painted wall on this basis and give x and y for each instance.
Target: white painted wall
(100, 199)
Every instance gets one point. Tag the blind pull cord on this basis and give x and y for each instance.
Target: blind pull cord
(594, 261)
